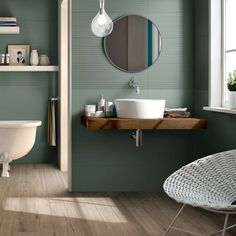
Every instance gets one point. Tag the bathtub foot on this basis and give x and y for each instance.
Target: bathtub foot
(5, 159)
(5, 172)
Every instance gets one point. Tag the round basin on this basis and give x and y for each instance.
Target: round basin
(140, 108)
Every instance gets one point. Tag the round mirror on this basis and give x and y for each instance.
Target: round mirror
(134, 44)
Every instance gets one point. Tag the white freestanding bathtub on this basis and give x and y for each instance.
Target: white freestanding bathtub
(16, 139)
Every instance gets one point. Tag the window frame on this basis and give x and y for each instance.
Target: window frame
(217, 80)
(215, 55)
(225, 102)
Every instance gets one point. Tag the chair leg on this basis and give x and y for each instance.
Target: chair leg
(223, 231)
(225, 224)
(173, 221)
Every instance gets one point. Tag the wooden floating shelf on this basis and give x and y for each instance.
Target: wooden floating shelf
(9, 29)
(28, 68)
(160, 124)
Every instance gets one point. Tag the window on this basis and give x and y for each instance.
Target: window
(222, 53)
(229, 48)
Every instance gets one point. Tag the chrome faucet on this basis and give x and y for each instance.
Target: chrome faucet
(133, 84)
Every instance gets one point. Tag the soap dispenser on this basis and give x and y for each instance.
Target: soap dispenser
(101, 103)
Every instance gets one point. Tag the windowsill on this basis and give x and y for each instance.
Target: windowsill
(220, 109)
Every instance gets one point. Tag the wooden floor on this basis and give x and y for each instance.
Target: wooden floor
(35, 201)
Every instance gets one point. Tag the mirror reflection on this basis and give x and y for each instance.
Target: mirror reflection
(134, 44)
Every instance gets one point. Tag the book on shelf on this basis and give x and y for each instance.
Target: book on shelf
(9, 30)
(8, 19)
(7, 23)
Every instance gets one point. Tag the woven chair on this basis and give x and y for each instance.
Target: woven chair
(209, 183)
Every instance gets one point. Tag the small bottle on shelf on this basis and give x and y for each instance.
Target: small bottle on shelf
(34, 58)
(101, 106)
(7, 59)
(109, 109)
(2, 59)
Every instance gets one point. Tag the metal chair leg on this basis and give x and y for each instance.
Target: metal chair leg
(223, 231)
(225, 224)
(220, 231)
(173, 221)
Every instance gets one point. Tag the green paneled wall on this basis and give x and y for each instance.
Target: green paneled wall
(220, 134)
(109, 160)
(25, 95)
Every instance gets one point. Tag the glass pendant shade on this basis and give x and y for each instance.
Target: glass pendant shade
(102, 24)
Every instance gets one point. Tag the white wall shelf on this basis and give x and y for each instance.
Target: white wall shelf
(9, 29)
(28, 68)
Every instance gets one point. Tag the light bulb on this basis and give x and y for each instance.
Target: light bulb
(102, 20)
(102, 24)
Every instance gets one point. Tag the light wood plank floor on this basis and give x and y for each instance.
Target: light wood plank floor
(35, 201)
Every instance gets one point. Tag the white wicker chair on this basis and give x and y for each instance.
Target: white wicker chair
(209, 183)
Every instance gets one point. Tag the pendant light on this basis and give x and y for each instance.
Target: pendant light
(102, 24)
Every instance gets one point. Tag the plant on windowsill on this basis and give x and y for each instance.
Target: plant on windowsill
(231, 85)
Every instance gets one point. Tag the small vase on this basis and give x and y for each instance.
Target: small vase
(44, 60)
(34, 58)
(232, 99)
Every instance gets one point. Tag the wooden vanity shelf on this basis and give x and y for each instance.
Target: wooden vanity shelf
(162, 124)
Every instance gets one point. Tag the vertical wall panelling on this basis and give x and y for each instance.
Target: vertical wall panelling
(25, 95)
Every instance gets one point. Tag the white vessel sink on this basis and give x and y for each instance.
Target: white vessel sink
(140, 108)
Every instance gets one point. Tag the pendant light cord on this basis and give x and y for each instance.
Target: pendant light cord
(102, 6)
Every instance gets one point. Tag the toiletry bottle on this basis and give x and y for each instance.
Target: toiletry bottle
(109, 109)
(101, 103)
(34, 58)
(7, 61)
(2, 61)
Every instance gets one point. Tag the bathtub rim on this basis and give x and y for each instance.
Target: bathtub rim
(19, 123)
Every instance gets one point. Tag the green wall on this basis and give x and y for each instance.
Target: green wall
(109, 160)
(220, 134)
(25, 95)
